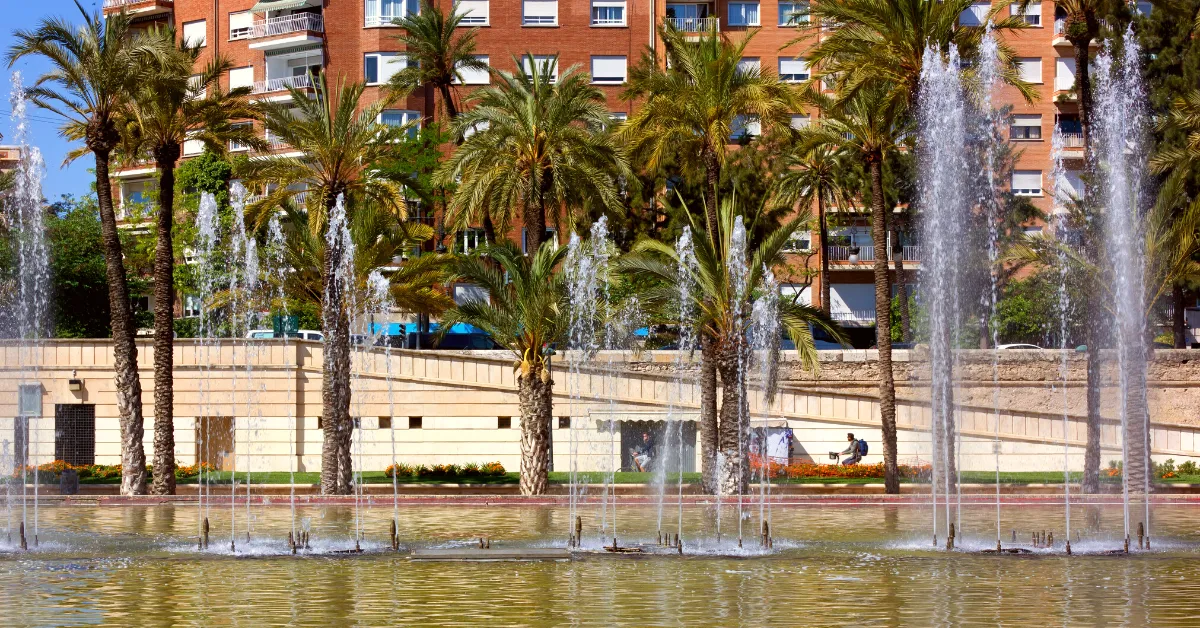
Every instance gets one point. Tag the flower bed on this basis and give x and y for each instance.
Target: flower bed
(467, 471)
(52, 470)
(798, 470)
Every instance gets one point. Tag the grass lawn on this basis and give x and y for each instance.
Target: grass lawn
(592, 477)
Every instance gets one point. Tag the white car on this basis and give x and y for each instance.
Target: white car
(1019, 346)
(303, 334)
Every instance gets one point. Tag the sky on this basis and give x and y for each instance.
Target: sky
(26, 14)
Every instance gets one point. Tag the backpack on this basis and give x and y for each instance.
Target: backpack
(862, 447)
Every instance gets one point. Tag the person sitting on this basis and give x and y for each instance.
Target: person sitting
(643, 453)
(855, 451)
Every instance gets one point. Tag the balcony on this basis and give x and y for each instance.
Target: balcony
(1072, 145)
(854, 317)
(1060, 37)
(912, 253)
(283, 31)
(694, 24)
(139, 8)
(281, 84)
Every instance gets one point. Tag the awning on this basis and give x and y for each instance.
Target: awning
(279, 5)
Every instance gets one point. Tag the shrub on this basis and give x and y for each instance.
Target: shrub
(1166, 470)
(1188, 468)
(446, 471)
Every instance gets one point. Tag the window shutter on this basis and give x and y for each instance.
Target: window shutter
(1030, 69)
(241, 77)
(793, 69)
(747, 64)
(1027, 182)
(390, 64)
(1064, 73)
(473, 11)
(608, 69)
(540, 11)
(240, 24)
(1034, 8)
(470, 76)
(196, 33)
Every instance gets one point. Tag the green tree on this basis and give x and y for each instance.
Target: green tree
(79, 306)
(438, 50)
(171, 107)
(526, 313)
(341, 143)
(535, 144)
(724, 319)
(94, 68)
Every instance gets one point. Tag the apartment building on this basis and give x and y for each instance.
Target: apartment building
(277, 43)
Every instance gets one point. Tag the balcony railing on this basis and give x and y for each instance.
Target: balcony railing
(1072, 140)
(280, 84)
(116, 4)
(694, 24)
(856, 316)
(281, 25)
(1060, 25)
(912, 253)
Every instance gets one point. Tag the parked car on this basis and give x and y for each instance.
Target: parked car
(303, 334)
(1019, 345)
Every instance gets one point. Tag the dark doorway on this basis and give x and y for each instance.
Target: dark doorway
(665, 450)
(20, 450)
(214, 441)
(75, 433)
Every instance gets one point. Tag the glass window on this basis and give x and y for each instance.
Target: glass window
(379, 67)
(1027, 182)
(793, 13)
(402, 117)
(384, 12)
(1025, 127)
(793, 69)
(745, 127)
(743, 14)
(540, 62)
(608, 12)
(1032, 13)
(975, 15)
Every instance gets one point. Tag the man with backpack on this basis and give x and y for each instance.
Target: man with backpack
(856, 450)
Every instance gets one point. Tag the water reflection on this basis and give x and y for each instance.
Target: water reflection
(834, 565)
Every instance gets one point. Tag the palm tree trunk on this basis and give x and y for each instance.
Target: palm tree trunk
(489, 229)
(708, 412)
(734, 465)
(535, 220)
(1137, 463)
(164, 328)
(536, 407)
(447, 98)
(712, 177)
(883, 325)
(823, 227)
(335, 386)
(126, 379)
(1178, 324)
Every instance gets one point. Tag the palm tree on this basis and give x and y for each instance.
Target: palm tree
(691, 98)
(169, 108)
(817, 173)
(536, 144)
(724, 318)
(438, 52)
(93, 70)
(340, 143)
(1178, 163)
(527, 312)
(868, 126)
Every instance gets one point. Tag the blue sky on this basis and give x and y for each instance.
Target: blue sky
(25, 14)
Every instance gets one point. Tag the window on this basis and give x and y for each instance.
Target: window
(193, 147)
(504, 423)
(1068, 187)
(1032, 232)
(1030, 69)
(1064, 74)
(540, 63)
(414, 422)
(743, 14)
(608, 12)
(618, 117)
(564, 422)
(474, 12)
(472, 76)
(470, 293)
(1143, 8)
(482, 125)
(196, 88)
(75, 433)
(608, 69)
(468, 240)
(975, 15)
(241, 77)
(799, 120)
(1032, 13)
(241, 25)
(750, 64)
(793, 13)
(745, 127)
(195, 33)
(1025, 127)
(1027, 182)
(380, 67)
(801, 241)
(551, 234)
(191, 305)
(385, 422)
(235, 145)
(29, 401)
(539, 12)
(793, 69)
(401, 117)
(383, 12)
